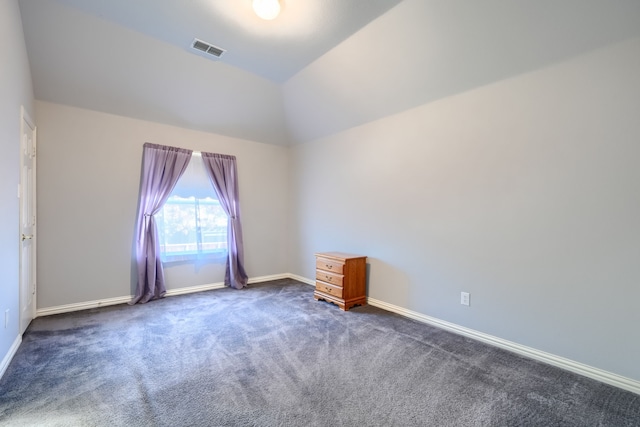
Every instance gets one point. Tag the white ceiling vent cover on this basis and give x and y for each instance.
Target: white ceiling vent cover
(207, 48)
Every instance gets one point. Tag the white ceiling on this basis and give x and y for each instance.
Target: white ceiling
(434, 49)
(276, 50)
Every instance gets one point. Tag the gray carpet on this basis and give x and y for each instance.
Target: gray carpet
(270, 355)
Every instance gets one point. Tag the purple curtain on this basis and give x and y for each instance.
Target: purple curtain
(161, 168)
(223, 174)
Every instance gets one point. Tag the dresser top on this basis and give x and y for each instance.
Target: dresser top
(339, 255)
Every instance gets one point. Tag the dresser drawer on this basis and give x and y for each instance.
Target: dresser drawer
(341, 279)
(331, 278)
(329, 265)
(329, 289)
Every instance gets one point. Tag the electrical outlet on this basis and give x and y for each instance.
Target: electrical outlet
(6, 318)
(464, 298)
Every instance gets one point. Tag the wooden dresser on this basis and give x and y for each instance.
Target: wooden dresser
(341, 279)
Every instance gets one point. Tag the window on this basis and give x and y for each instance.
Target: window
(192, 225)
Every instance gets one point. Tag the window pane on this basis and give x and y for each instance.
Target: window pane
(192, 224)
(178, 230)
(213, 225)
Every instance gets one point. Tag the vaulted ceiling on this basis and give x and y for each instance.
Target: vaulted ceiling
(322, 66)
(134, 57)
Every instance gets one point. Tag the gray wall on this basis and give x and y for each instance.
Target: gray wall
(15, 90)
(88, 177)
(523, 192)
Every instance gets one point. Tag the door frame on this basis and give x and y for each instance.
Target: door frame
(26, 120)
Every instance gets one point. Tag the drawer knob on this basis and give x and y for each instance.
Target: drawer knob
(329, 266)
(328, 289)
(329, 278)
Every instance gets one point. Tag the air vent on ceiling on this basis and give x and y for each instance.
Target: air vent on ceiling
(207, 48)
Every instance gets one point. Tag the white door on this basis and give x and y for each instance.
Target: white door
(27, 194)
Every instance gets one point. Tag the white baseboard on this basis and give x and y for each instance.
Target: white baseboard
(192, 289)
(302, 279)
(220, 285)
(9, 356)
(68, 308)
(542, 356)
(260, 279)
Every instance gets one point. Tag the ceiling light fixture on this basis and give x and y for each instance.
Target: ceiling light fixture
(266, 9)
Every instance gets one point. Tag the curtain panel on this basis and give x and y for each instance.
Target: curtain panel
(223, 173)
(162, 166)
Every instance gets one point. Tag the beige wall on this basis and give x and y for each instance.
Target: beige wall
(523, 193)
(88, 179)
